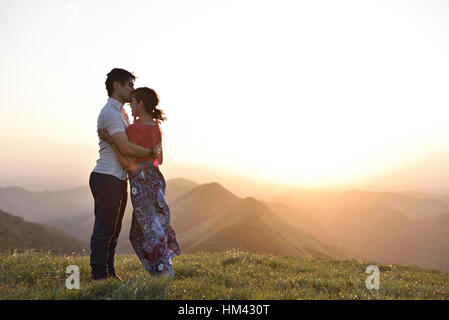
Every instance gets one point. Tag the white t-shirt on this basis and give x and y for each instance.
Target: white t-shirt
(114, 119)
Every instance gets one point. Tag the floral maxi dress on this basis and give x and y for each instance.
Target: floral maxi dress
(151, 235)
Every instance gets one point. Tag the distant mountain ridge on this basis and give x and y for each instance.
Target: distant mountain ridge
(200, 204)
(71, 210)
(252, 226)
(177, 187)
(328, 204)
(194, 206)
(376, 226)
(15, 233)
(40, 206)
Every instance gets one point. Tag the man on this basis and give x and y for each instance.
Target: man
(108, 181)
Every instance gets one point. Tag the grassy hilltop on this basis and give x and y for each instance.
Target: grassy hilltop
(227, 275)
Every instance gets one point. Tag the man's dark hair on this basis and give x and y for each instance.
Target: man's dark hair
(120, 75)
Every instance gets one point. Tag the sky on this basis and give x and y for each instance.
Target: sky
(314, 94)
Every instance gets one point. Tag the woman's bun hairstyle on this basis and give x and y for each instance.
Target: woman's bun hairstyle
(150, 102)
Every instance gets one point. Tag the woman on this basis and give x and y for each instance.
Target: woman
(151, 235)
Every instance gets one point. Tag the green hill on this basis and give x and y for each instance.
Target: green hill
(15, 233)
(226, 275)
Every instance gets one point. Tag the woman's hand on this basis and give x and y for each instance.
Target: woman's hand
(157, 150)
(103, 134)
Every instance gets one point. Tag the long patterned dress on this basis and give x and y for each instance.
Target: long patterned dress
(151, 235)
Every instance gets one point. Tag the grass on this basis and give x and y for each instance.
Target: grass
(228, 275)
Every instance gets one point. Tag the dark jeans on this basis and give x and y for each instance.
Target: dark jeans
(110, 196)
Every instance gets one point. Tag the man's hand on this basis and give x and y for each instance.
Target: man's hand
(103, 134)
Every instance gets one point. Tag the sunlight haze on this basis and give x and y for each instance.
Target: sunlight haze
(297, 93)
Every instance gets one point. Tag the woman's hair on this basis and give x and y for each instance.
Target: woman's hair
(150, 101)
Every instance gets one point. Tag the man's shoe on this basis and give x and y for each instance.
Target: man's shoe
(98, 277)
(115, 276)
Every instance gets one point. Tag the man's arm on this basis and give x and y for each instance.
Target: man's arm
(114, 127)
(121, 157)
(131, 149)
(128, 162)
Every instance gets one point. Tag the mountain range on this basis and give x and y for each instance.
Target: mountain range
(389, 227)
(16, 233)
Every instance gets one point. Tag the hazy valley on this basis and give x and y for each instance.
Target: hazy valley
(386, 227)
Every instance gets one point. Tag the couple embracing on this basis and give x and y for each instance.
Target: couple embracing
(134, 152)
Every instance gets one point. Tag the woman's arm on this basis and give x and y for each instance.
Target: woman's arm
(161, 156)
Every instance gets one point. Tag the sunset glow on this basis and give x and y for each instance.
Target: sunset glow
(310, 93)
